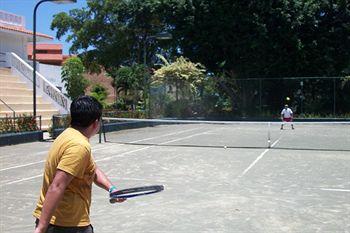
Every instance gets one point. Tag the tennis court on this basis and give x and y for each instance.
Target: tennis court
(243, 177)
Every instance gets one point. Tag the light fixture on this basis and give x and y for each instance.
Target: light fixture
(64, 1)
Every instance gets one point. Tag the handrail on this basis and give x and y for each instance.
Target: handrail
(42, 83)
(13, 111)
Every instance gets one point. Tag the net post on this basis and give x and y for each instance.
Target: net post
(103, 131)
(100, 132)
(269, 135)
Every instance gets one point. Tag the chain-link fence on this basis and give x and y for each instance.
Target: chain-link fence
(256, 98)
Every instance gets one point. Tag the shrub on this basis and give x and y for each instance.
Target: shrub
(18, 124)
(100, 93)
(72, 75)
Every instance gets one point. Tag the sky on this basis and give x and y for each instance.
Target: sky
(44, 16)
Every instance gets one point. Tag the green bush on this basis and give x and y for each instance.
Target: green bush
(179, 108)
(72, 76)
(125, 114)
(100, 93)
(7, 125)
(18, 124)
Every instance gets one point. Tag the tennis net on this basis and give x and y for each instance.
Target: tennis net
(329, 136)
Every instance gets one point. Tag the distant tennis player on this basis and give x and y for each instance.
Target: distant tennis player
(70, 170)
(287, 116)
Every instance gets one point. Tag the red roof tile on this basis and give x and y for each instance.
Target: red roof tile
(49, 57)
(25, 31)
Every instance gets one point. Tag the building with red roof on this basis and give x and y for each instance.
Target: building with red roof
(50, 54)
(15, 37)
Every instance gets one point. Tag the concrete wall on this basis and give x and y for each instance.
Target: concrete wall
(13, 43)
(52, 74)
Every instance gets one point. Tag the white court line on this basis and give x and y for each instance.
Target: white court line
(19, 166)
(258, 158)
(107, 158)
(147, 147)
(44, 152)
(27, 164)
(145, 139)
(21, 180)
(336, 190)
(187, 130)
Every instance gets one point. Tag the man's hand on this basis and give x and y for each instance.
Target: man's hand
(117, 199)
(39, 230)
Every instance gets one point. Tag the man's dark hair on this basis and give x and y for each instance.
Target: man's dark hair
(84, 110)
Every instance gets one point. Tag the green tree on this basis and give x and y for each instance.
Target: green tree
(183, 74)
(259, 39)
(112, 33)
(132, 81)
(187, 78)
(100, 93)
(72, 76)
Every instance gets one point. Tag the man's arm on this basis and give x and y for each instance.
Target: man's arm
(53, 196)
(102, 181)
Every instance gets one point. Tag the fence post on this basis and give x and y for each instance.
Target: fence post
(260, 95)
(333, 97)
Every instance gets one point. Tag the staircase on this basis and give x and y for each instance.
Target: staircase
(19, 97)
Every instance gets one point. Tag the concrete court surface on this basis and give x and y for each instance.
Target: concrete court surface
(207, 188)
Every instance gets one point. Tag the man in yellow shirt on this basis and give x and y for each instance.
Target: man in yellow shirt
(70, 170)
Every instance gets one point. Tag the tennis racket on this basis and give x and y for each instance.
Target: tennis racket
(134, 192)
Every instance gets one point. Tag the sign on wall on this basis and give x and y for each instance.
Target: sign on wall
(11, 19)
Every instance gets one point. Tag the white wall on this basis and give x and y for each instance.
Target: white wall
(13, 43)
(52, 74)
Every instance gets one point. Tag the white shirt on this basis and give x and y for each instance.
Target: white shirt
(287, 113)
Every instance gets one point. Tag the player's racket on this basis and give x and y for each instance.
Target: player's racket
(134, 192)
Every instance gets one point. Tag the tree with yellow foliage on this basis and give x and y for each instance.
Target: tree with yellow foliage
(182, 74)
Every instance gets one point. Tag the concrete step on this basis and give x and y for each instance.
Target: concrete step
(19, 96)
(9, 99)
(5, 71)
(8, 77)
(12, 84)
(27, 106)
(15, 91)
(42, 112)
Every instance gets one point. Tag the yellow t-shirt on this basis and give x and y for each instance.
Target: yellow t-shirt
(71, 153)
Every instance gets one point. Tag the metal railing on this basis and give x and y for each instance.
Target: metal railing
(42, 83)
(13, 111)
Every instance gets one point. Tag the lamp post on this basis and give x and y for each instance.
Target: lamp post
(158, 36)
(34, 44)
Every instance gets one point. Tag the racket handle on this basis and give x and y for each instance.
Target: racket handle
(112, 200)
